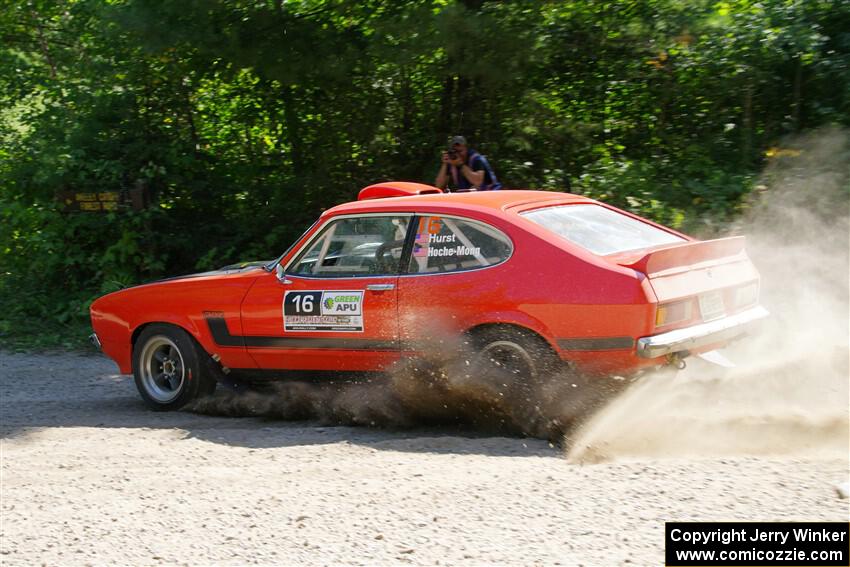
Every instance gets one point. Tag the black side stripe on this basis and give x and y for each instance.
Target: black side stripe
(221, 334)
(604, 343)
(222, 337)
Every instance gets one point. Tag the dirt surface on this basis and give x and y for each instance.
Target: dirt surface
(89, 476)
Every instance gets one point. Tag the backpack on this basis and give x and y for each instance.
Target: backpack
(494, 184)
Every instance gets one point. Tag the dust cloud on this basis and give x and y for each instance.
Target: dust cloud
(789, 391)
(451, 387)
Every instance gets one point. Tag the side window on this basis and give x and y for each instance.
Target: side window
(446, 244)
(361, 246)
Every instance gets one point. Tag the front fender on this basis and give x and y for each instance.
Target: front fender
(118, 318)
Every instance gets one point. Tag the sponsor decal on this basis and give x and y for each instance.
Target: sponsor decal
(430, 243)
(323, 311)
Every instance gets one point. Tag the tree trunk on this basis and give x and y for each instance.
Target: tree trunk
(466, 119)
(189, 115)
(444, 121)
(798, 94)
(42, 43)
(293, 131)
(747, 124)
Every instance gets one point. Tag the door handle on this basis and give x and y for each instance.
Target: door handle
(380, 286)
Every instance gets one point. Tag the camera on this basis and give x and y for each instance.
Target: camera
(452, 154)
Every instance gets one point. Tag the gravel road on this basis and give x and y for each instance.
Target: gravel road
(89, 476)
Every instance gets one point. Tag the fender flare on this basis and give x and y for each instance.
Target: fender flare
(516, 319)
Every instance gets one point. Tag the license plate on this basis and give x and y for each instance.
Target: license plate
(711, 306)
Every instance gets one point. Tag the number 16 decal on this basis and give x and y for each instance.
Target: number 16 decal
(323, 311)
(302, 303)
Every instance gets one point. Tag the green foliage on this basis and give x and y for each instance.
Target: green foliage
(246, 119)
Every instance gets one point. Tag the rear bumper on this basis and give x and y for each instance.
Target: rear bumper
(701, 335)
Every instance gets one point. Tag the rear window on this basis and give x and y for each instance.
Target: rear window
(600, 230)
(446, 244)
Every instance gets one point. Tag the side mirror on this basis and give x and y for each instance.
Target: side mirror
(281, 275)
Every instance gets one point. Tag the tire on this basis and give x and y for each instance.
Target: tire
(513, 369)
(169, 368)
(521, 355)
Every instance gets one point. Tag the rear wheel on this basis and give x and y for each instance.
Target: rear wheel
(520, 355)
(511, 372)
(169, 368)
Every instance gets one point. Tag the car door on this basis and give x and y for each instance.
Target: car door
(335, 305)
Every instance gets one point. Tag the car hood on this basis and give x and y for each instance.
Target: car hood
(223, 271)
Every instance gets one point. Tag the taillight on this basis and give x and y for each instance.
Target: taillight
(674, 312)
(746, 294)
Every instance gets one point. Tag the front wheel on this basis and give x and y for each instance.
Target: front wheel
(168, 368)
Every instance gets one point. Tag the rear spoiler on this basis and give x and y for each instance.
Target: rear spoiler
(682, 257)
(396, 189)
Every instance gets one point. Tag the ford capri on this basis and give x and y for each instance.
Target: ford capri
(527, 279)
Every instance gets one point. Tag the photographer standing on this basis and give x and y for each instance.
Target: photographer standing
(468, 170)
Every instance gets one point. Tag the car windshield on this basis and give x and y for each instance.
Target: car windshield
(599, 229)
(270, 266)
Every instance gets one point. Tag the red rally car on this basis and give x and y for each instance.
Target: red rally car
(513, 273)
